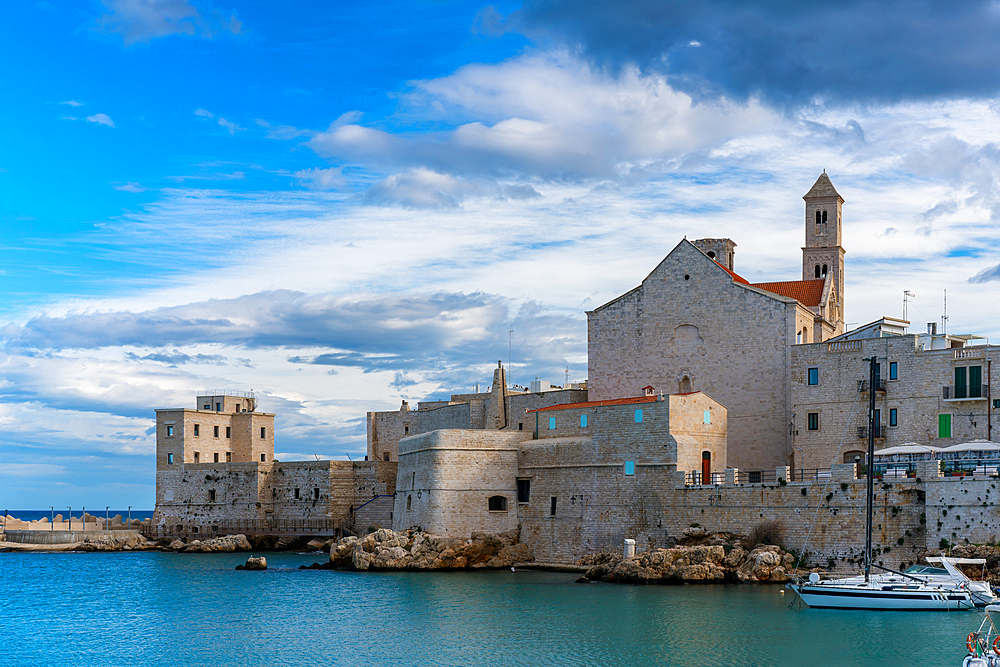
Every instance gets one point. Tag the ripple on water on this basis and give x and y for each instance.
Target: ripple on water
(194, 609)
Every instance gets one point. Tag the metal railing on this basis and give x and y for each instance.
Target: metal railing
(810, 474)
(757, 476)
(962, 391)
(976, 468)
(246, 527)
(879, 385)
(695, 478)
(880, 432)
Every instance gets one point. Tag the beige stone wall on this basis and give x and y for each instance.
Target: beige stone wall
(728, 340)
(238, 437)
(917, 396)
(446, 477)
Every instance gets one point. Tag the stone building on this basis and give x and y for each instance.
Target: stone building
(932, 389)
(579, 480)
(215, 469)
(499, 408)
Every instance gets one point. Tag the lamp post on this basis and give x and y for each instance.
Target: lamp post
(52, 518)
(70, 518)
(107, 525)
(130, 517)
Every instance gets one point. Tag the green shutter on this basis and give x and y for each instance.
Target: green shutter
(975, 381)
(960, 386)
(944, 426)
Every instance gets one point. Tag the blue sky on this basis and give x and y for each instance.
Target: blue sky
(342, 205)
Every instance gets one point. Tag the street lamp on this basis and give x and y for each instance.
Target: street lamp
(70, 518)
(130, 517)
(52, 518)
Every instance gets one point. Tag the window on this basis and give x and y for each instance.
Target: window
(893, 370)
(216, 431)
(707, 417)
(196, 430)
(170, 459)
(406, 430)
(229, 431)
(229, 457)
(824, 217)
(583, 421)
(216, 457)
(263, 433)
(409, 502)
(798, 338)
(817, 269)
(524, 490)
(385, 456)
(211, 495)
(315, 494)
(893, 418)
(819, 219)
(961, 390)
(498, 503)
(813, 376)
(638, 416)
(218, 407)
(196, 457)
(944, 426)
(996, 403)
(630, 467)
(263, 458)
(170, 431)
(520, 426)
(824, 270)
(208, 406)
(552, 423)
(813, 421)
(975, 381)
(552, 506)
(296, 494)
(413, 481)
(878, 421)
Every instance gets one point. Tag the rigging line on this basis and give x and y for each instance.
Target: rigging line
(843, 435)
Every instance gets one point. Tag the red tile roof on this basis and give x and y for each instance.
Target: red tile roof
(807, 292)
(737, 278)
(596, 404)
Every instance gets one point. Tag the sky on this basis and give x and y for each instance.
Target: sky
(340, 206)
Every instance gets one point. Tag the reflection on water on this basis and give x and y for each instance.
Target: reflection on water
(195, 609)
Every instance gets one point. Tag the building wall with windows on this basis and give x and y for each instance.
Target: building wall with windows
(931, 390)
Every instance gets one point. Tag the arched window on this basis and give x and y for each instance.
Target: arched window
(817, 270)
(819, 219)
(824, 270)
(711, 254)
(824, 217)
(685, 385)
(498, 503)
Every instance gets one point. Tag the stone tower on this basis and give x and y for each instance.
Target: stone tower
(721, 250)
(823, 254)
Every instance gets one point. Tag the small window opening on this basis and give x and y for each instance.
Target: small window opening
(817, 270)
(824, 217)
(498, 503)
(413, 480)
(813, 421)
(218, 407)
(170, 459)
(296, 494)
(385, 456)
(524, 490)
(707, 417)
(208, 406)
(893, 370)
(824, 271)
(211, 495)
(813, 375)
(711, 254)
(263, 433)
(229, 431)
(638, 416)
(409, 502)
(552, 506)
(196, 457)
(170, 431)
(215, 431)
(893, 417)
(552, 423)
(583, 421)
(196, 430)
(406, 430)
(263, 458)
(216, 457)
(520, 426)
(229, 457)
(819, 217)
(315, 494)
(687, 276)
(685, 385)
(630, 467)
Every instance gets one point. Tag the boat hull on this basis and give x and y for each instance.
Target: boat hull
(837, 597)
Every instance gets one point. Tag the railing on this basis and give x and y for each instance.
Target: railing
(844, 346)
(863, 432)
(962, 391)
(895, 470)
(810, 474)
(976, 468)
(969, 353)
(694, 478)
(757, 477)
(879, 385)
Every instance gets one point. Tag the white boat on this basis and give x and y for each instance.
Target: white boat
(983, 645)
(944, 589)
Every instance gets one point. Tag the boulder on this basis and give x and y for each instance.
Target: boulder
(224, 544)
(255, 563)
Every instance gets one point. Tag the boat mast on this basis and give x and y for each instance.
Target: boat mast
(870, 476)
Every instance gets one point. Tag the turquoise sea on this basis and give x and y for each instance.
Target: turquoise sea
(88, 609)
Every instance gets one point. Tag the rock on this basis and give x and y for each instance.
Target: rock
(694, 531)
(176, 545)
(342, 552)
(117, 541)
(317, 544)
(583, 580)
(256, 563)
(361, 559)
(224, 544)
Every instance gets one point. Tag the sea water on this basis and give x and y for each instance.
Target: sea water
(152, 608)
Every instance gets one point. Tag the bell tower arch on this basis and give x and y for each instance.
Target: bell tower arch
(823, 253)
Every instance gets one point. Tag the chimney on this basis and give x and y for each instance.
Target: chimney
(932, 328)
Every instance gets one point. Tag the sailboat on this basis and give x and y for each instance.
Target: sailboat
(947, 590)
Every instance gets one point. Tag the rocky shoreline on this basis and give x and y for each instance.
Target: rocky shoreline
(416, 550)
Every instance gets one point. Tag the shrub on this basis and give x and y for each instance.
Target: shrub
(765, 532)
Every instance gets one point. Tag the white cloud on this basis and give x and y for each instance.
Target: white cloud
(321, 179)
(421, 188)
(72, 103)
(204, 113)
(130, 186)
(101, 119)
(231, 126)
(140, 21)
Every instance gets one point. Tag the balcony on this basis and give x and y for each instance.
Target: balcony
(879, 386)
(863, 432)
(963, 392)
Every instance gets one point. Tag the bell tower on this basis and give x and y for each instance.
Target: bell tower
(823, 255)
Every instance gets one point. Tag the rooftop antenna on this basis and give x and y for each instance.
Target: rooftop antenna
(566, 384)
(907, 295)
(944, 318)
(510, 344)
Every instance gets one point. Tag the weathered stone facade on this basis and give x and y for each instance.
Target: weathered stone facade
(917, 385)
